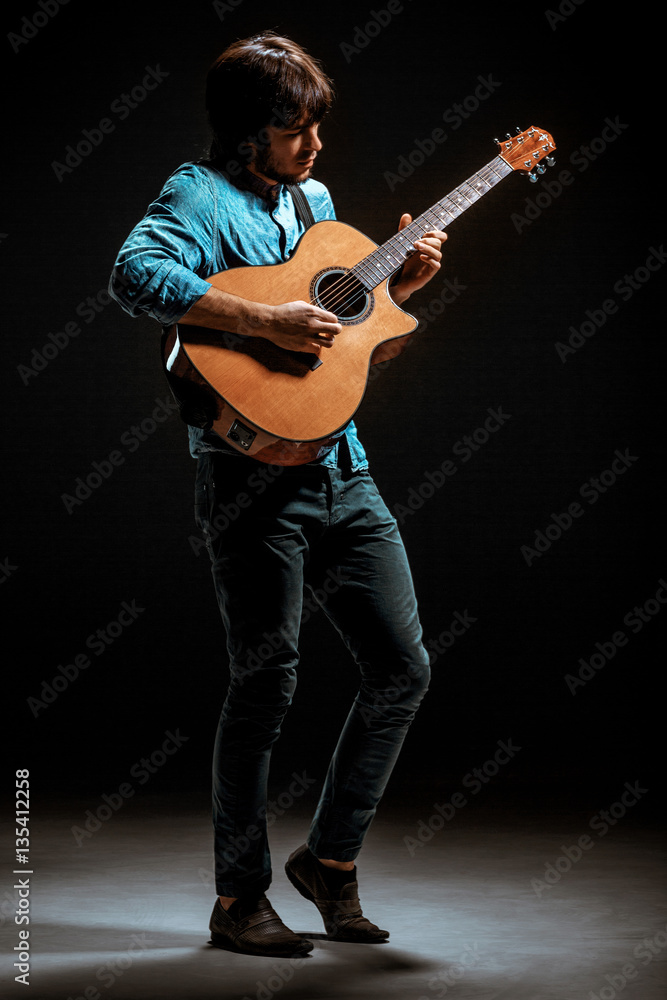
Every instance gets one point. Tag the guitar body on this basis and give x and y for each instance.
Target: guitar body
(289, 407)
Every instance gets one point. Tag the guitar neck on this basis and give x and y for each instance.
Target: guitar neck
(388, 258)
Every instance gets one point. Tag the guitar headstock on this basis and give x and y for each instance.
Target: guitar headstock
(527, 149)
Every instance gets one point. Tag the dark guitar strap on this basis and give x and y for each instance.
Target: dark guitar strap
(195, 406)
(303, 209)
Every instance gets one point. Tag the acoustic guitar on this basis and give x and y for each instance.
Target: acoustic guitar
(289, 407)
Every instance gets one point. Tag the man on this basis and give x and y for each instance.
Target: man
(320, 523)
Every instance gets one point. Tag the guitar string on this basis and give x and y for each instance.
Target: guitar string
(350, 281)
(414, 229)
(350, 284)
(398, 252)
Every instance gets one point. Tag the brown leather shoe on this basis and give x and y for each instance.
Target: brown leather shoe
(254, 928)
(340, 908)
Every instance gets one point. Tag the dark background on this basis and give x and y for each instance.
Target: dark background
(67, 573)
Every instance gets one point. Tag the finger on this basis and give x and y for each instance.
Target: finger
(429, 250)
(328, 330)
(322, 340)
(327, 334)
(435, 234)
(404, 221)
(327, 318)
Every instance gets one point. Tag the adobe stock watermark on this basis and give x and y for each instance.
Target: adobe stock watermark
(591, 491)
(399, 683)
(364, 34)
(283, 973)
(603, 821)
(458, 627)
(441, 984)
(8, 909)
(314, 598)
(223, 8)
(112, 970)
(98, 642)
(121, 107)
(142, 770)
(625, 288)
(634, 620)
(245, 150)
(565, 10)
(271, 644)
(226, 514)
(266, 815)
(474, 781)
(131, 439)
(450, 292)
(55, 342)
(31, 25)
(454, 117)
(464, 449)
(7, 570)
(581, 159)
(646, 951)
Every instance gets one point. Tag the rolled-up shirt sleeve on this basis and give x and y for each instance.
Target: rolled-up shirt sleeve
(161, 267)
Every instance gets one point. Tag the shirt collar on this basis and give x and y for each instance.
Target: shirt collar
(246, 179)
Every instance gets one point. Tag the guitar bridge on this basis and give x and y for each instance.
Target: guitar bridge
(241, 435)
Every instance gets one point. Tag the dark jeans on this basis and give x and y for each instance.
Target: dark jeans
(269, 531)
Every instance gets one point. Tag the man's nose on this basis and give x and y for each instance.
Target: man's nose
(312, 139)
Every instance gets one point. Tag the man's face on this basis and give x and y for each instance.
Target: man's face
(289, 156)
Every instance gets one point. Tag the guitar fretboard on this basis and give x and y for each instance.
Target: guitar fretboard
(388, 258)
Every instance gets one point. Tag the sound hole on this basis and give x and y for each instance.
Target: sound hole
(339, 292)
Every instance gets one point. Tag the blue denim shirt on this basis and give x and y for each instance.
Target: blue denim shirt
(199, 225)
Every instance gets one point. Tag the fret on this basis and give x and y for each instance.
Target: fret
(400, 255)
(499, 167)
(404, 241)
(388, 258)
(469, 192)
(444, 216)
(480, 185)
(432, 218)
(452, 207)
(369, 273)
(460, 197)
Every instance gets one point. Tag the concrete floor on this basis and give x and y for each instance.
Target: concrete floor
(475, 912)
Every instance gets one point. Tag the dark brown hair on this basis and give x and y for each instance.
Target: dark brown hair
(259, 81)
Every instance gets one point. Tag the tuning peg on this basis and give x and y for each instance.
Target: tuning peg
(541, 168)
(550, 161)
(532, 178)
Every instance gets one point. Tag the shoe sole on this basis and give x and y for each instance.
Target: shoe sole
(220, 941)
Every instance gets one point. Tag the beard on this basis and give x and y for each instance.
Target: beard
(265, 164)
